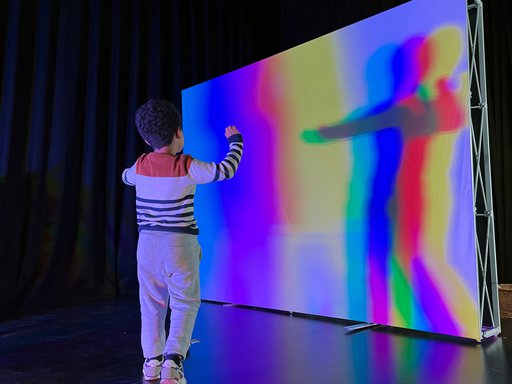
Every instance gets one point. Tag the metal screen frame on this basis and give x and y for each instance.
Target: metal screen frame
(481, 173)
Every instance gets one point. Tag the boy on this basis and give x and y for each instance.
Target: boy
(168, 253)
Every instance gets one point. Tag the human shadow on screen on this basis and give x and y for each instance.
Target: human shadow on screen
(418, 104)
(411, 95)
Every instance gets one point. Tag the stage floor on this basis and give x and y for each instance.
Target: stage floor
(98, 342)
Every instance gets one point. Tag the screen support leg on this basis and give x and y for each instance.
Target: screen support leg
(360, 327)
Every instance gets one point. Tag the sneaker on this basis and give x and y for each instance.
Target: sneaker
(152, 367)
(172, 372)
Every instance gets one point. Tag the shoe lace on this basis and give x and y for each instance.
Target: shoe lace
(153, 363)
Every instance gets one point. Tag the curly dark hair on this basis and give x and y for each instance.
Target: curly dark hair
(157, 122)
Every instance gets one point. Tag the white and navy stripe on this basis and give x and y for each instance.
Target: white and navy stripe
(167, 214)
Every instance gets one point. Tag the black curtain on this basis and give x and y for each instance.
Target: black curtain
(498, 47)
(72, 76)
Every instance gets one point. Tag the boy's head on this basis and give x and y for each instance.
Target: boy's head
(157, 122)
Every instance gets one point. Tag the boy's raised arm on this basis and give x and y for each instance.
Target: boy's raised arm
(202, 172)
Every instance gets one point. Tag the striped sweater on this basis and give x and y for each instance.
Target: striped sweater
(166, 184)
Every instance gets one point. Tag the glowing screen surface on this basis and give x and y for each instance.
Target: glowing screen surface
(354, 196)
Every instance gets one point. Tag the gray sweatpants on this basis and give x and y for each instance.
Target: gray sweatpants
(168, 273)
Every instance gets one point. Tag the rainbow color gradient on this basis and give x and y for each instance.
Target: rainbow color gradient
(354, 197)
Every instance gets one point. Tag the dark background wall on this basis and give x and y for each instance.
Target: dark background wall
(72, 74)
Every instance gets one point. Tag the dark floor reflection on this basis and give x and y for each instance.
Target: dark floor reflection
(99, 343)
(299, 350)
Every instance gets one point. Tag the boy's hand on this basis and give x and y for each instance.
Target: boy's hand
(231, 130)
